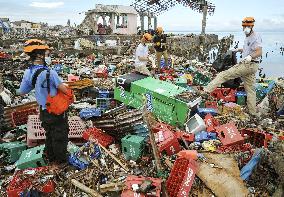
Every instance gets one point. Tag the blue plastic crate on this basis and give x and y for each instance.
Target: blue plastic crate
(78, 163)
(103, 103)
(240, 93)
(202, 112)
(104, 94)
(205, 136)
(89, 113)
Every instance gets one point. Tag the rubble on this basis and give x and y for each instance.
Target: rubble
(136, 135)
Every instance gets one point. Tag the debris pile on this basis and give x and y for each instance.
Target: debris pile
(132, 134)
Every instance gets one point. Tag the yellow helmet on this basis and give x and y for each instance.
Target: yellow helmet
(248, 21)
(147, 36)
(33, 44)
(159, 30)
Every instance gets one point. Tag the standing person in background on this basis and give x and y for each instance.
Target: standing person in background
(38, 76)
(160, 46)
(142, 55)
(246, 68)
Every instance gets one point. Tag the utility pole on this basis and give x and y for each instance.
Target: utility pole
(204, 10)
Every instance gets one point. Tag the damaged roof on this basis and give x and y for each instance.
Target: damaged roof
(113, 9)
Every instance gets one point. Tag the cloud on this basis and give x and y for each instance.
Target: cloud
(46, 5)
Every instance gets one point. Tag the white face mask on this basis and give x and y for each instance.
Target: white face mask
(247, 30)
(47, 60)
(148, 44)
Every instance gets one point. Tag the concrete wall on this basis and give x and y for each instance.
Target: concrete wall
(131, 25)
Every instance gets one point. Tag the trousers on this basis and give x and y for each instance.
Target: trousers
(247, 73)
(159, 56)
(56, 131)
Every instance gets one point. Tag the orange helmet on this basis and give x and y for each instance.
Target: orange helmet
(159, 30)
(147, 36)
(33, 44)
(248, 21)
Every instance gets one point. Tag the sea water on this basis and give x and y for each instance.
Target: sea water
(272, 57)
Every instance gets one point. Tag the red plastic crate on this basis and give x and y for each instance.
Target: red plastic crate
(211, 104)
(21, 117)
(226, 94)
(130, 180)
(170, 143)
(103, 138)
(189, 137)
(181, 177)
(17, 185)
(229, 134)
(36, 132)
(256, 137)
(211, 123)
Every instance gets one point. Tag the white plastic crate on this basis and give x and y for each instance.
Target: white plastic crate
(36, 132)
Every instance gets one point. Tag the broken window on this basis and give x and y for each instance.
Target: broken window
(121, 21)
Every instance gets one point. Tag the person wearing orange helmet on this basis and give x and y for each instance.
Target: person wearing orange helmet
(46, 82)
(246, 68)
(160, 46)
(142, 55)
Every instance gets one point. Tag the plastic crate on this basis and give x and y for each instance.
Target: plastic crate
(169, 143)
(103, 103)
(21, 117)
(87, 113)
(256, 138)
(211, 123)
(104, 94)
(205, 136)
(132, 147)
(31, 158)
(77, 162)
(181, 177)
(211, 104)
(229, 134)
(225, 94)
(13, 150)
(36, 132)
(103, 138)
(202, 112)
(17, 185)
(130, 180)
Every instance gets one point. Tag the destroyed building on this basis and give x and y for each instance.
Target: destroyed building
(107, 19)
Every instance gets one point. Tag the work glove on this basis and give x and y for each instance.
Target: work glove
(235, 50)
(247, 59)
(5, 94)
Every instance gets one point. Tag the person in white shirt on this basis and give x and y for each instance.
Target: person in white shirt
(246, 69)
(142, 55)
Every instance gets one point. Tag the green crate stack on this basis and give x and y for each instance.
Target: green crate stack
(31, 158)
(165, 106)
(132, 147)
(13, 150)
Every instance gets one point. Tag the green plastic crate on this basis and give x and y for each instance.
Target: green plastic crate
(31, 158)
(241, 100)
(13, 150)
(200, 79)
(165, 106)
(132, 147)
(182, 82)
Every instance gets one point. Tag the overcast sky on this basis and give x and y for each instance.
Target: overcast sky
(269, 14)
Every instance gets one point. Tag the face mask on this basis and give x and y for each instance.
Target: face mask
(148, 44)
(47, 60)
(247, 30)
